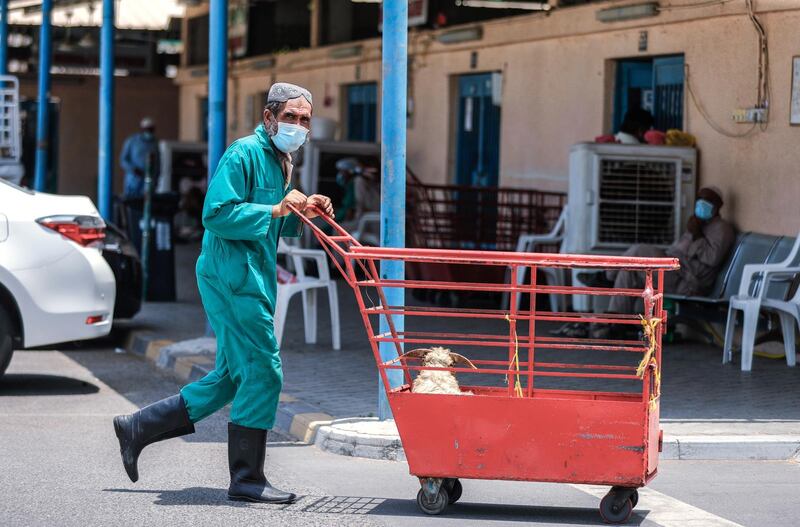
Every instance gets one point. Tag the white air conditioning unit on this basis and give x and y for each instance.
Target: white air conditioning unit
(621, 195)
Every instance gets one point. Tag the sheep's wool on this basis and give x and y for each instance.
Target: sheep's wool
(437, 381)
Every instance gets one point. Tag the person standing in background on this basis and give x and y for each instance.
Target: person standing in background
(135, 153)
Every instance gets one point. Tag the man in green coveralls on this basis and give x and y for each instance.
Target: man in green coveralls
(245, 213)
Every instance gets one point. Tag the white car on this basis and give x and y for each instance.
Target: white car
(55, 285)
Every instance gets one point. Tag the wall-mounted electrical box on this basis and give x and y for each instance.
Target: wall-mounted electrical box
(750, 115)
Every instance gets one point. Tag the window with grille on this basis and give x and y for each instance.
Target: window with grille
(637, 202)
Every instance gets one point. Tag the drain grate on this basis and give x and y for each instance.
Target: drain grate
(343, 505)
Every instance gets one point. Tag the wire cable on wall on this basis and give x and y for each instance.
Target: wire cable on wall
(707, 3)
(717, 128)
(764, 87)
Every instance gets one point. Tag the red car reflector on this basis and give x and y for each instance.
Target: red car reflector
(94, 319)
(84, 230)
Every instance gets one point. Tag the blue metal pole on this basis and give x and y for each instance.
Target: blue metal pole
(393, 160)
(217, 83)
(217, 90)
(43, 112)
(3, 37)
(105, 143)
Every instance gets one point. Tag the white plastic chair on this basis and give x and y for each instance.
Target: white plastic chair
(308, 286)
(527, 243)
(368, 229)
(753, 296)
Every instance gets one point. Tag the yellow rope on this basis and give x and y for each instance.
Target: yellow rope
(515, 360)
(650, 326)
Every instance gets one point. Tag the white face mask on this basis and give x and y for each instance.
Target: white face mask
(290, 137)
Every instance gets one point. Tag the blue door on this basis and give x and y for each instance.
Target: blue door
(634, 88)
(362, 112)
(478, 130)
(655, 84)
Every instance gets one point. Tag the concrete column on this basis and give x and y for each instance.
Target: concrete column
(393, 170)
(105, 143)
(3, 37)
(217, 83)
(217, 90)
(43, 112)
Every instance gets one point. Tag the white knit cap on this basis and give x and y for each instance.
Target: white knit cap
(283, 91)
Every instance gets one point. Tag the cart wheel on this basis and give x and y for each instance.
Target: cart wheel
(454, 489)
(634, 493)
(634, 498)
(612, 513)
(435, 507)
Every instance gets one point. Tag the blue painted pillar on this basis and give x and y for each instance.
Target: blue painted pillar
(217, 90)
(105, 143)
(393, 169)
(217, 83)
(43, 112)
(3, 37)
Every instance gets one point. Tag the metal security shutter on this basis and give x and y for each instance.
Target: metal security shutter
(637, 202)
(668, 99)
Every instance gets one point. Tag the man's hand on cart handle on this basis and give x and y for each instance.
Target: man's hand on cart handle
(318, 204)
(295, 198)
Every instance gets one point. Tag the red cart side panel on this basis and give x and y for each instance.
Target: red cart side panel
(653, 440)
(557, 440)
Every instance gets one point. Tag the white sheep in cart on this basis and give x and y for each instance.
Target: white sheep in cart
(438, 381)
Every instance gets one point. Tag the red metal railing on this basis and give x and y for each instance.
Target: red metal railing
(528, 358)
(465, 217)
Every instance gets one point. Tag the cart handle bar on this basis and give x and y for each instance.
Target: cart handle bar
(354, 249)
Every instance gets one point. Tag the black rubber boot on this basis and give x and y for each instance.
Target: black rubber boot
(246, 451)
(161, 420)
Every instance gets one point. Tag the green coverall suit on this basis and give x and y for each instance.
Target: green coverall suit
(236, 277)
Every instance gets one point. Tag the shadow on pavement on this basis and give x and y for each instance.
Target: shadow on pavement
(354, 505)
(33, 384)
(188, 496)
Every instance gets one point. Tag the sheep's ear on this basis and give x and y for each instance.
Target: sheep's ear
(458, 358)
(418, 353)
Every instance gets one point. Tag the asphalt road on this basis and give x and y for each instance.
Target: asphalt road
(59, 466)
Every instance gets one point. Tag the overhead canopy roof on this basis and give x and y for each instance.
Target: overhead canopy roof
(131, 14)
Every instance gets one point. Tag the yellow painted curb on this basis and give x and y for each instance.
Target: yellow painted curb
(285, 398)
(304, 426)
(154, 348)
(183, 366)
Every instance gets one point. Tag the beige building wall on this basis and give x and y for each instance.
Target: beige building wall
(135, 97)
(558, 79)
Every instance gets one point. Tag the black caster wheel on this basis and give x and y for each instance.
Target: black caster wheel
(612, 513)
(454, 489)
(435, 507)
(634, 493)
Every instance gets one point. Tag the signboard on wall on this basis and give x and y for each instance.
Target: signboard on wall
(417, 14)
(237, 28)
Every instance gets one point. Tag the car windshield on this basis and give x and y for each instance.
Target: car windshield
(16, 187)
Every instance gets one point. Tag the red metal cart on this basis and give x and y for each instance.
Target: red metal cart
(542, 408)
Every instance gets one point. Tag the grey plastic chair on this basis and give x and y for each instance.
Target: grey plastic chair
(765, 286)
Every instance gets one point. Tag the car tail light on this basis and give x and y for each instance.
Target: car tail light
(85, 230)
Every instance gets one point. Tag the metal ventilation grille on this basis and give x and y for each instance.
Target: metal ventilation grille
(637, 202)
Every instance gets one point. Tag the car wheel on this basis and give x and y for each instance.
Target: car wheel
(6, 339)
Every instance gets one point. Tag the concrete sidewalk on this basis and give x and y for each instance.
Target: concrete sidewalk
(708, 411)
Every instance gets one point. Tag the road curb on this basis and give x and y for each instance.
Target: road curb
(357, 438)
(191, 360)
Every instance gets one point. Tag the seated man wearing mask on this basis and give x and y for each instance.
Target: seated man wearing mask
(701, 250)
(245, 213)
